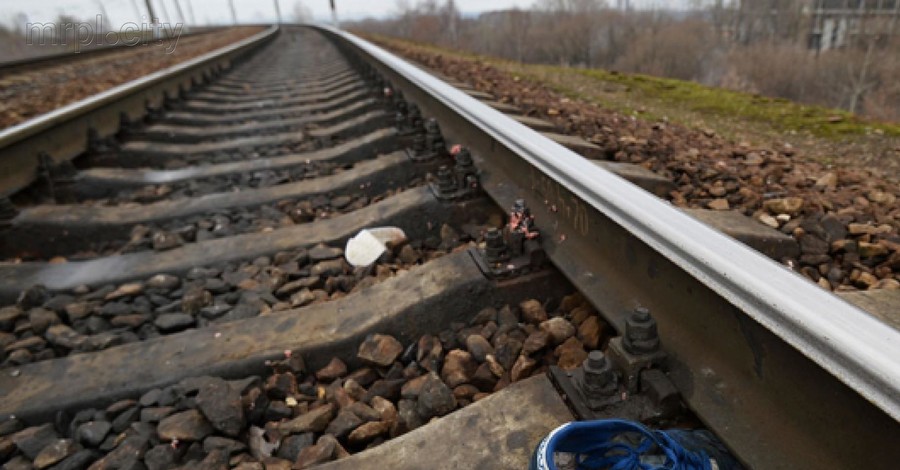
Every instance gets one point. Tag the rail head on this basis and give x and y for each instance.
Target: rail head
(853, 346)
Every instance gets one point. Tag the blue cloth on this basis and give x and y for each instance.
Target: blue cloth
(620, 445)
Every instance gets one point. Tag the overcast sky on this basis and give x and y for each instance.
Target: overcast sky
(217, 11)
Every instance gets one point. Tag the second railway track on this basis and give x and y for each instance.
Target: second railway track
(178, 296)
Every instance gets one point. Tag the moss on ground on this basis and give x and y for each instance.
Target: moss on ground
(780, 113)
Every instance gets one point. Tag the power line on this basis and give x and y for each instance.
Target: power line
(334, 15)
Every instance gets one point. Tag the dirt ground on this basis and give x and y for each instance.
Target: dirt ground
(838, 197)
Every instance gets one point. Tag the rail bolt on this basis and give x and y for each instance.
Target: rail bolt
(464, 158)
(465, 170)
(599, 377)
(495, 246)
(445, 182)
(641, 335)
(434, 137)
(413, 116)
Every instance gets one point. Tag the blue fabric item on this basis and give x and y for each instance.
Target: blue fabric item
(619, 445)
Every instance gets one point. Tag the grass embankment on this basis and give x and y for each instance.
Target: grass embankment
(780, 113)
(731, 113)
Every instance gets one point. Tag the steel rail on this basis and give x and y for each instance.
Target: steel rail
(63, 133)
(854, 347)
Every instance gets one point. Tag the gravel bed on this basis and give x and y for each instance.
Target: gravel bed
(845, 219)
(220, 184)
(231, 222)
(237, 154)
(43, 325)
(295, 417)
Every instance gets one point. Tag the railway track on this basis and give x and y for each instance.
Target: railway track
(179, 289)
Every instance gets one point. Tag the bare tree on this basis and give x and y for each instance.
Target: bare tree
(674, 49)
(451, 20)
(567, 28)
(767, 20)
(760, 46)
(872, 30)
(518, 25)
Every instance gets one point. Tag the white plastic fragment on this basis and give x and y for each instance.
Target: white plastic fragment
(365, 248)
(259, 446)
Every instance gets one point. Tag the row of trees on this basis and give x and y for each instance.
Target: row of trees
(763, 46)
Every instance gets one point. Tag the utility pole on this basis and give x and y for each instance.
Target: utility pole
(334, 17)
(150, 11)
(233, 12)
(278, 11)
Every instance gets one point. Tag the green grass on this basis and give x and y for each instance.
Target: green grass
(655, 97)
(782, 114)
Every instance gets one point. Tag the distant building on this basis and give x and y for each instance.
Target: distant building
(836, 23)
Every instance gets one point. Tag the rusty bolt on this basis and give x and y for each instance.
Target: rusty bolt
(495, 247)
(434, 138)
(641, 335)
(445, 182)
(599, 377)
(464, 169)
(463, 157)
